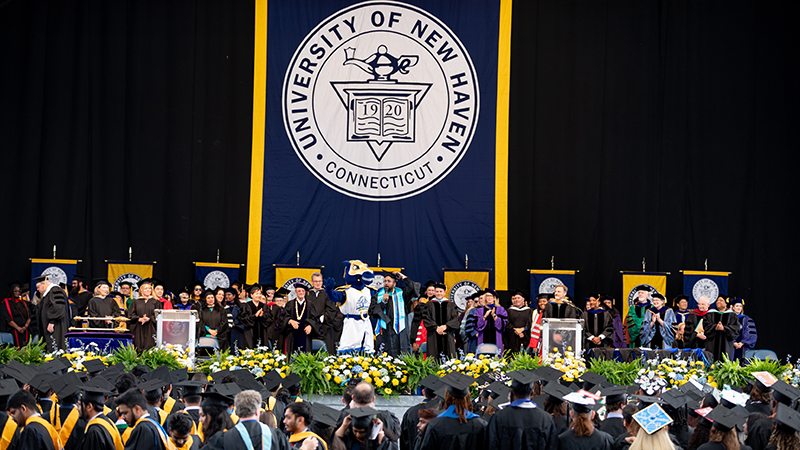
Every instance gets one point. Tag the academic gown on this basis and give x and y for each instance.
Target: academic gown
(273, 325)
(747, 335)
(145, 436)
(97, 438)
(490, 331)
(75, 439)
(324, 317)
(243, 320)
(613, 426)
(446, 433)
(408, 426)
(53, 310)
(563, 310)
(34, 436)
(143, 333)
(17, 311)
(758, 433)
(296, 340)
(435, 314)
(599, 440)
(521, 426)
(598, 322)
(350, 442)
(633, 324)
(658, 336)
(712, 446)
(517, 318)
(12, 441)
(232, 440)
(193, 443)
(102, 307)
(214, 318)
(720, 342)
(693, 321)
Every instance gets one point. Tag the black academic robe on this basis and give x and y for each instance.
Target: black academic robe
(563, 310)
(4, 418)
(193, 443)
(435, 314)
(102, 307)
(97, 437)
(620, 443)
(296, 339)
(758, 433)
(720, 342)
(763, 408)
(243, 320)
(273, 314)
(326, 321)
(145, 436)
(517, 428)
(194, 413)
(81, 300)
(260, 323)
(690, 339)
(19, 312)
(517, 318)
(446, 433)
(53, 310)
(214, 318)
(598, 322)
(408, 426)
(34, 436)
(143, 333)
(613, 426)
(75, 440)
(599, 440)
(712, 446)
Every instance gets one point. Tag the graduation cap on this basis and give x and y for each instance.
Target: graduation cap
(7, 389)
(214, 398)
(580, 403)
(95, 394)
(162, 374)
(101, 282)
(524, 376)
(324, 415)
(784, 392)
(432, 382)
(99, 383)
(591, 379)
(614, 394)
(787, 417)
(691, 391)
(41, 381)
(458, 384)
(539, 400)
(272, 380)
(40, 279)
(178, 375)
(228, 390)
(266, 287)
(361, 411)
(126, 283)
(642, 287)
(55, 365)
(659, 296)
(281, 292)
(519, 292)
(547, 373)
(724, 419)
(112, 372)
(152, 385)
(218, 376)
(19, 371)
(556, 391)
(648, 400)
(674, 398)
(14, 283)
(764, 380)
(652, 418)
(190, 387)
(438, 285)
(292, 379)
(429, 283)
(300, 286)
(678, 299)
(543, 295)
(66, 385)
(94, 366)
(735, 301)
(498, 389)
(730, 398)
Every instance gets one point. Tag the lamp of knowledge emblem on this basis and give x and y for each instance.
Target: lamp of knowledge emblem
(381, 101)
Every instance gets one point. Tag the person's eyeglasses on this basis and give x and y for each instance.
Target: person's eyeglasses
(198, 289)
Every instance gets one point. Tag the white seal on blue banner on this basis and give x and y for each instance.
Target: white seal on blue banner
(216, 279)
(381, 101)
(705, 287)
(56, 275)
(548, 286)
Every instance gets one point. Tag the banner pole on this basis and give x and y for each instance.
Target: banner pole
(553, 262)
(130, 254)
(54, 252)
(217, 256)
(643, 264)
(706, 265)
(466, 261)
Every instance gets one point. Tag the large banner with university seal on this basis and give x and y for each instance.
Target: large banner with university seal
(697, 284)
(380, 130)
(57, 270)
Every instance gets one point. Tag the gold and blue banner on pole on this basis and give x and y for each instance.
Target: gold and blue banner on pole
(287, 276)
(545, 281)
(369, 114)
(655, 281)
(463, 282)
(132, 271)
(698, 283)
(214, 275)
(57, 270)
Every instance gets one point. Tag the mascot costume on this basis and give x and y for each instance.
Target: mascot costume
(353, 300)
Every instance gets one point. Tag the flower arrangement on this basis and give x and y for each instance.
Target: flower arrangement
(78, 356)
(572, 366)
(388, 374)
(791, 373)
(472, 365)
(659, 375)
(258, 361)
(180, 353)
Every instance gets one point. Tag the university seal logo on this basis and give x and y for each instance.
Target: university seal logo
(548, 286)
(705, 287)
(289, 286)
(460, 291)
(132, 278)
(215, 279)
(56, 275)
(381, 101)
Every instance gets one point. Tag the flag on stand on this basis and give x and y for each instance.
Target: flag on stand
(132, 271)
(463, 282)
(699, 283)
(655, 281)
(214, 275)
(57, 270)
(287, 276)
(545, 281)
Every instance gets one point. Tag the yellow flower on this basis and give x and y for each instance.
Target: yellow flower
(337, 380)
(387, 391)
(327, 375)
(403, 380)
(395, 382)
(368, 379)
(378, 382)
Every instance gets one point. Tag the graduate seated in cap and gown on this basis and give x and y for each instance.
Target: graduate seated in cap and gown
(491, 321)
(598, 325)
(216, 409)
(787, 425)
(37, 433)
(517, 335)
(15, 314)
(748, 335)
(440, 318)
(249, 433)
(635, 318)
(759, 433)
(721, 327)
(723, 434)
(102, 305)
(521, 424)
(457, 428)
(582, 434)
(657, 326)
(100, 432)
(179, 427)
(616, 400)
(213, 320)
(296, 323)
(147, 433)
(142, 315)
(653, 430)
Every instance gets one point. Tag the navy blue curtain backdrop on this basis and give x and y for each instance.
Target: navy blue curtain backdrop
(663, 130)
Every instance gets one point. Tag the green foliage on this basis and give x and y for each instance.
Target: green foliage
(419, 368)
(7, 353)
(728, 372)
(773, 367)
(204, 365)
(523, 361)
(619, 373)
(309, 366)
(32, 353)
(126, 355)
(157, 357)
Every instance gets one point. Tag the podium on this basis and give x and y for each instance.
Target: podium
(177, 327)
(560, 334)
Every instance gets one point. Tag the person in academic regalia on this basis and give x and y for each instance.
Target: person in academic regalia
(518, 329)
(388, 307)
(521, 425)
(324, 315)
(657, 326)
(561, 308)
(491, 321)
(598, 324)
(276, 309)
(242, 315)
(457, 428)
(614, 423)
(421, 335)
(693, 333)
(748, 335)
(68, 420)
(787, 425)
(184, 301)
(536, 321)
(249, 433)
(9, 431)
(440, 318)
(142, 315)
(618, 340)
(37, 434)
(100, 434)
(53, 316)
(103, 305)
(179, 427)
(682, 303)
(80, 293)
(297, 421)
(635, 318)
(260, 312)
(581, 434)
(213, 320)
(295, 323)
(15, 315)
(721, 328)
(147, 433)
(723, 432)
(408, 426)
(357, 428)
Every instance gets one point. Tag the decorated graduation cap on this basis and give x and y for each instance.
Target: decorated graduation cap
(66, 385)
(94, 366)
(787, 418)
(591, 379)
(731, 399)
(764, 380)
(724, 419)
(324, 415)
(458, 384)
(652, 418)
(580, 402)
(784, 392)
(614, 394)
